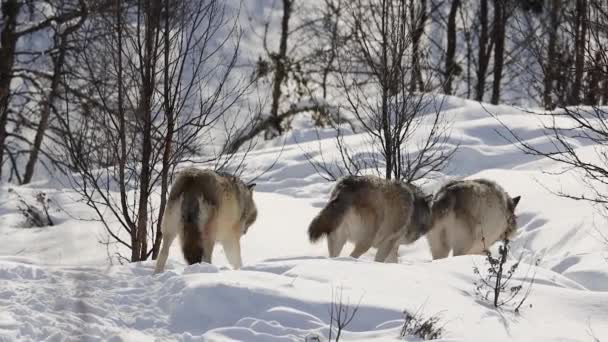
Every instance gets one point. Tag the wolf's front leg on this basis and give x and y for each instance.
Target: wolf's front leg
(438, 242)
(385, 248)
(393, 256)
(232, 248)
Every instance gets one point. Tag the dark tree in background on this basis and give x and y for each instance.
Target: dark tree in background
(38, 69)
(575, 96)
(450, 64)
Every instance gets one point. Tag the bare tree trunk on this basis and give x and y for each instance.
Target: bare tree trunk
(499, 47)
(152, 17)
(594, 76)
(551, 60)
(167, 96)
(418, 21)
(484, 51)
(469, 44)
(333, 11)
(122, 129)
(45, 113)
(8, 41)
(604, 90)
(386, 85)
(450, 64)
(580, 23)
(280, 72)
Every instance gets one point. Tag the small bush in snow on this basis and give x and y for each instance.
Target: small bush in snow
(341, 313)
(426, 329)
(313, 338)
(497, 284)
(36, 214)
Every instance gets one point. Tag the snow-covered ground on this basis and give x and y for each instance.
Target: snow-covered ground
(56, 283)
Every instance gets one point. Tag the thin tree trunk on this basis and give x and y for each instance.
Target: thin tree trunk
(8, 42)
(604, 90)
(418, 20)
(579, 50)
(152, 13)
(499, 47)
(169, 136)
(122, 134)
(386, 93)
(333, 52)
(48, 103)
(594, 77)
(469, 44)
(280, 73)
(450, 64)
(484, 53)
(551, 60)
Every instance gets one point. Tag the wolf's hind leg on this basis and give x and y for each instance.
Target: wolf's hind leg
(463, 243)
(461, 250)
(438, 242)
(164, 253)
(478, 248)
(170, 227)
(207, 231)
(335, 242)
(360, 248)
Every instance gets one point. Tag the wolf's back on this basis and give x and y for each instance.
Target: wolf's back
(330, 218)
(443, 202)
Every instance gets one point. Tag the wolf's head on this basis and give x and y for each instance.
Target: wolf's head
(512, 217)
(250, 211)
(513, 203)
(421, 216)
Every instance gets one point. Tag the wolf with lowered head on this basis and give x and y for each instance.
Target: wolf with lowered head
(372, 212)
(469, 216)
(206, 206)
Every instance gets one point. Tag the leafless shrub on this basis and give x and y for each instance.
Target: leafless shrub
(417, 326)
(591, 333)
(36, 214)
(497, 284)
(341, 313)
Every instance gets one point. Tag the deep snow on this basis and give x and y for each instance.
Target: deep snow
(56, 283)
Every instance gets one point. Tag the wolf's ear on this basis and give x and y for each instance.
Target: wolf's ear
(515, 201)
(251, 186)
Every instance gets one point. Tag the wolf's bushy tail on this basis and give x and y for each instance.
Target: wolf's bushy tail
(190, 207)
(330, 218)
(192, 214)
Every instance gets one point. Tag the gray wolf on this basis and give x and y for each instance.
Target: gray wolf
(468, 216)
(372, 212)
(205, 206)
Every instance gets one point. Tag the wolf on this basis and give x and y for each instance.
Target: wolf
(468, 216)
(206, 206)
(372, 212)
